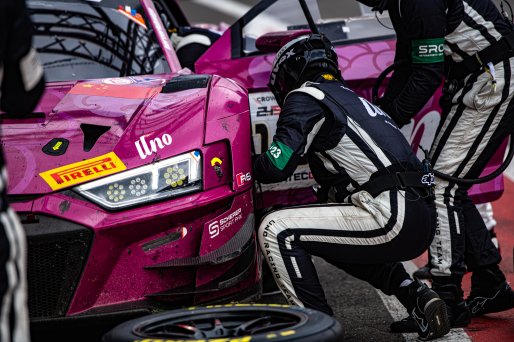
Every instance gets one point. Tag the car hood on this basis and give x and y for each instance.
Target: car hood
(107, 125)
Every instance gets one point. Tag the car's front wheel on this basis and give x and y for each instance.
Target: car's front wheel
(232, 322)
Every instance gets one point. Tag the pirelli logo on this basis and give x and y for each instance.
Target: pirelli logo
(83, 171)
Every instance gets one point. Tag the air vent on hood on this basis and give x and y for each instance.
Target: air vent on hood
(91, 134)
(185, 82)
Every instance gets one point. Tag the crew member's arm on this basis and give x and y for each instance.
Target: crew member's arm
(423, 25)
(22, 81)
(299, 121)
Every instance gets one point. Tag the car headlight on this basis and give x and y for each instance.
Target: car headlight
(167, 178)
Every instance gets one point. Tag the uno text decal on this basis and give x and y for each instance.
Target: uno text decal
(155, 144)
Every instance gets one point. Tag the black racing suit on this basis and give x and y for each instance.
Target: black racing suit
(349, 143)
(477, 116)
(21, 81)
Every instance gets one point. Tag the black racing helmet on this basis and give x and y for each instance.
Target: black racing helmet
(297, 60)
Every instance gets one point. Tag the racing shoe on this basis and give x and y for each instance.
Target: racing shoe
(428, 316)
(458, 315)
(423, 272)
(458, 311)
(491, 301)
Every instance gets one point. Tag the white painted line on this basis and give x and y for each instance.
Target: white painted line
(398, 312)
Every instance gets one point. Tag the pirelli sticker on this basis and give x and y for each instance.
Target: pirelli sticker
(426, 51)
(83, 171)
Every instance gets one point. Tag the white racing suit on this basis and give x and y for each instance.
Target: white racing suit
(478, 115)
(366, 239)
(476, 119)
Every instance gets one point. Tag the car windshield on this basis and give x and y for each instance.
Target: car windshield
(94, 39)
(329, 15)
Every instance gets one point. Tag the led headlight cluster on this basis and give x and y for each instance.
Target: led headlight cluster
(167, 178)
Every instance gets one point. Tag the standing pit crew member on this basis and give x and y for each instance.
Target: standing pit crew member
(21, 85)
(382, 210)
(473, 45)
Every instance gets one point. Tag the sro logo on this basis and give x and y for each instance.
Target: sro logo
(214, 229)
(431, 49)
(242, 178)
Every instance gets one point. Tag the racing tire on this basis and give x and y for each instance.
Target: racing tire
(231, 323)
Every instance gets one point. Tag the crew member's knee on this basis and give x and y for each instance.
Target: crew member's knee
(267, 231)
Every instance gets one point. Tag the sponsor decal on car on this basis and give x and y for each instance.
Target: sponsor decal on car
(83, 171)
(146, 149)
(56, 147)
(301, 178)
(214, 229)
(195, 155)
(133, 15)
(218, 226)
(263, 104)
(124, 91)
(117, 81)
(243, 178)
(146, 80)
(216, 165)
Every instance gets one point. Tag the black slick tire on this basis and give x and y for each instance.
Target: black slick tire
(235, 323)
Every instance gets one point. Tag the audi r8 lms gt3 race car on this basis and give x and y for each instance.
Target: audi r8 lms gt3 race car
(365, 46)
(131, 177)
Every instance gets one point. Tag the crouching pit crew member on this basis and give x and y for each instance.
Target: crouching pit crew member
(381, 210)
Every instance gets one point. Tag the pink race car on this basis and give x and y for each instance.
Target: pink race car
(132, 177)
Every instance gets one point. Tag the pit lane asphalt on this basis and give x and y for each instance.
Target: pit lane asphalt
(356, 304)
